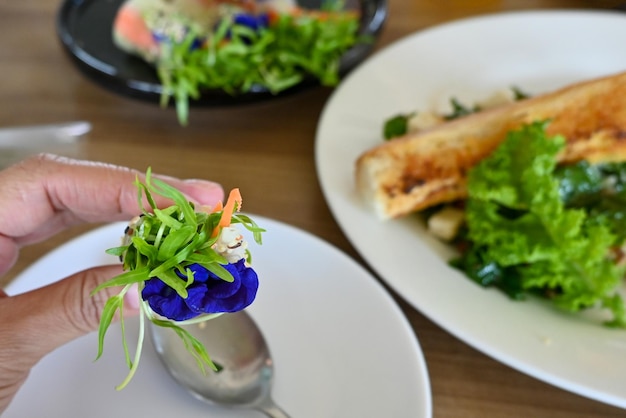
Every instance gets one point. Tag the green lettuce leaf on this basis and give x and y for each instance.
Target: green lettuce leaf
(519, 226)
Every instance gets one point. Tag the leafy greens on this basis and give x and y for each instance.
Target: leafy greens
(238, 59)
(398, 125)
(165, 242)
(535, 228)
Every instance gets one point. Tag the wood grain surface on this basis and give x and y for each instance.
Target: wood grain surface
(267, 151)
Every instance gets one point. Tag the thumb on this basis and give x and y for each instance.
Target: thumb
(48, 317)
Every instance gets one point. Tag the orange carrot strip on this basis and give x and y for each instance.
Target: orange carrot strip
(272, 16)
(234, 197)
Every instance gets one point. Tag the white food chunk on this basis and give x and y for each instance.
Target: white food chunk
(498, 98)
(423, 120)
(231, 244)
(446, 223)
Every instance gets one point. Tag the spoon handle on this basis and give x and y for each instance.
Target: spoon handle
(269, 408)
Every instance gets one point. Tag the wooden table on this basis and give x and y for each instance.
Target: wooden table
(267, 151)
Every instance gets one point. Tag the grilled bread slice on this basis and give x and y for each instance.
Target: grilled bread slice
(430, 167)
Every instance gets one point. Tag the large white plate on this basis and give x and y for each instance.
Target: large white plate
(470, 59)
(342, 347)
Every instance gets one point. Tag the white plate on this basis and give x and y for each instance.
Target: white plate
(470, 59)
(342, 346)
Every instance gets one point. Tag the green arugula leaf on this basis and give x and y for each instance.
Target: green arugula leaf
(219, 271)
(117, 251)
(179, 199)
(110, 308)
(459, 110)
(143, 248)
(193, 346)
(174, 240)
(396, 126)
(128, 277)
(250, 225)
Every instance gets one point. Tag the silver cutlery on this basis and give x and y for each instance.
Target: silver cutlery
(37, 135)
(234, 342)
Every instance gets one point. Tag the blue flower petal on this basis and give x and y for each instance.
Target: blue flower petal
(252, 21)
(165, 301)
(220, 296)
(200, 274)
(207, 294)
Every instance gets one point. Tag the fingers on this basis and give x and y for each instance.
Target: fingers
(8, 254)
(41, 320)
(34, 323)
(40, 196)
(45, 194)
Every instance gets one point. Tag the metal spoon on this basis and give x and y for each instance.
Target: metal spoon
(234, 342)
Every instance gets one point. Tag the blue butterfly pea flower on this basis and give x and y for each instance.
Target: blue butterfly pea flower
(252, 21)
(206, 295)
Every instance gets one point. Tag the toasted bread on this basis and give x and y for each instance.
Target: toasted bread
(424, 169)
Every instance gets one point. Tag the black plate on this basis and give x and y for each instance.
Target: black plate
(85, 30)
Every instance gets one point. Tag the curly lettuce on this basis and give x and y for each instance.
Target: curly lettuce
(525, 235)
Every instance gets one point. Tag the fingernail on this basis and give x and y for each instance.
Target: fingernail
(131, 298)
(203, 192)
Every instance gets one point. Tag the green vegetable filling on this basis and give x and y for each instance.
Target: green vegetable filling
(533, 227)
(238, 59)
(398, 125)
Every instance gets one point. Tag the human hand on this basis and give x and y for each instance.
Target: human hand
(40, 197)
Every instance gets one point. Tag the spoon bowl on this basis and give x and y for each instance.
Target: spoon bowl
(234, 342)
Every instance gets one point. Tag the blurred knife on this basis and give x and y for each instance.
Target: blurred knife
(27, 136)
